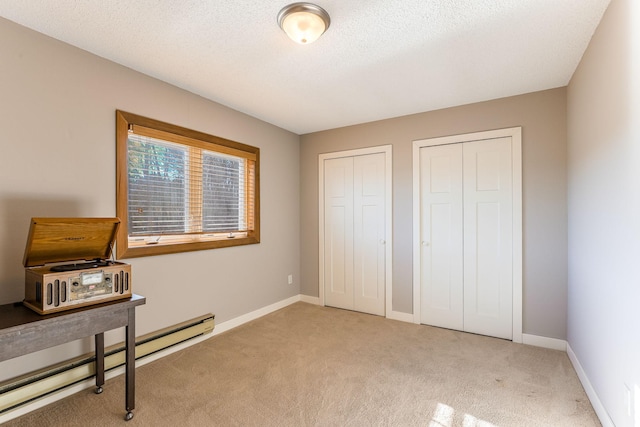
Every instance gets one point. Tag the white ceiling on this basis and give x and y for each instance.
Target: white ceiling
(379, 58)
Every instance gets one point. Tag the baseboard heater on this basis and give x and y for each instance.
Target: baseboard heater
(34, 385)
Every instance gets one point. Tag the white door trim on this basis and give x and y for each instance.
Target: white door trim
(516, 149)
(387, 150)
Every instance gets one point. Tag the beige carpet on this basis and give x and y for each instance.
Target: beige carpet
(315, 366)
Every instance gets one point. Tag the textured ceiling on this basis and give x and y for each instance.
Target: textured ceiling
(379, 59)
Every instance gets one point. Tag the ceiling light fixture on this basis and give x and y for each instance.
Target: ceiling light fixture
(304, 23)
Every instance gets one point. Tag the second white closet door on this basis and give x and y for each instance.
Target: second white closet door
(488, 237)
(466, 236)
(354, 259)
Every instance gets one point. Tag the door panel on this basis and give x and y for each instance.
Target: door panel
(369, 232)
(441, 239)
(338, 256)
(488, 263)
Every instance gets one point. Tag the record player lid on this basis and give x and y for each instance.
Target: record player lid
(69, 239)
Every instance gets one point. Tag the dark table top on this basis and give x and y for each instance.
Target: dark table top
(16, 314)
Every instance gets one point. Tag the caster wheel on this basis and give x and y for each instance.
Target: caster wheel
(128, 416)
(98, 390)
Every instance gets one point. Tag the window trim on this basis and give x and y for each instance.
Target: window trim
(173, 133)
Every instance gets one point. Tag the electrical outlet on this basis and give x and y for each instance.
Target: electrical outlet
(290, 279)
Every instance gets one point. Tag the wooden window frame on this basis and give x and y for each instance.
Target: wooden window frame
(176, 134)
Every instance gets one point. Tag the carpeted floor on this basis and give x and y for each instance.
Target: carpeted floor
(307, 365)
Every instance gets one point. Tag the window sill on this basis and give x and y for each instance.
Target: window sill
(147, 246)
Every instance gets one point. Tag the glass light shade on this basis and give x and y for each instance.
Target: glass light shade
(304, 23)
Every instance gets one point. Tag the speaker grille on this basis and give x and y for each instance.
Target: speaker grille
(56, 292)
(63, 291)
(49, 293)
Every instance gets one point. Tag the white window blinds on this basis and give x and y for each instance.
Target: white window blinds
(180, 189)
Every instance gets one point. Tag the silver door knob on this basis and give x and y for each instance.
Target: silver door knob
(425, 243)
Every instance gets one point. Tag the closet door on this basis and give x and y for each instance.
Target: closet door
(488, 240)
(466, 236)
(338, 232)
(441, 236)
(369, 233)
(354, 233)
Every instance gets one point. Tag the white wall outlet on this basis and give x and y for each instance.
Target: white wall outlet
(290, 279)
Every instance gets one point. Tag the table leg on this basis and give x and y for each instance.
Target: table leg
(99, 344)
(130, 368)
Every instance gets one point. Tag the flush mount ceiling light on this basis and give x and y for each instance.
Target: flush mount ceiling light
(304, 23)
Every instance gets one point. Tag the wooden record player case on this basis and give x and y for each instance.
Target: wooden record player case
(67, 264)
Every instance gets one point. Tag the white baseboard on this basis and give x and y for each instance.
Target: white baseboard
(601, 412)
(545, 342)
(240, 320)
(398, 315)
(310, 300)
(393, 315)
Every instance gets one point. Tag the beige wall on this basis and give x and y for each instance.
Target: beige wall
(57, 122)
(57, 136)
(603, 104)
(542, 116)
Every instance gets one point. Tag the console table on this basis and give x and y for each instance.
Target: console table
(23, 331)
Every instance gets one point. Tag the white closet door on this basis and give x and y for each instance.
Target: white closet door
(354, 232)
(441, 236)
(466, 236)
(488, 240)
(338, 232)
(369, 233)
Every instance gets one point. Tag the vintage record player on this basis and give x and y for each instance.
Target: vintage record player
(67, 264)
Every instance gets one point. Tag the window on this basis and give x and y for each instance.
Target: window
(180, 190)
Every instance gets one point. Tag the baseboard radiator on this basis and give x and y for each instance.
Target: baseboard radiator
(26, 388)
